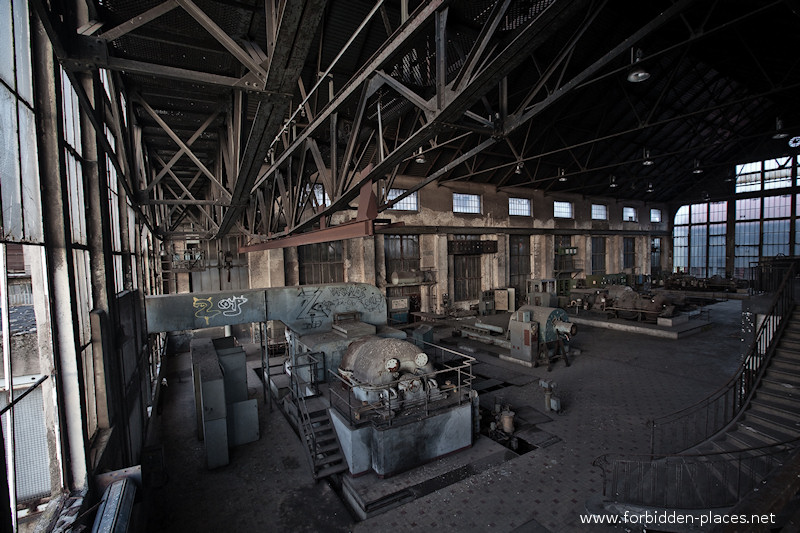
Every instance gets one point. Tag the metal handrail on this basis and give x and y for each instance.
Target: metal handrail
(694, 424)
(304, 417)
(347, 401)
(690, 481)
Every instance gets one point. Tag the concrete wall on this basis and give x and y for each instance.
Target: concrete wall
(436, 223)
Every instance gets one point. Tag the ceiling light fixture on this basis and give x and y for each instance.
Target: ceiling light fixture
(561, 176)
(697, 169)
(646, 161)
(779, 133)
(650, 187)
(637, 74)
(613, 183)
(420, 157)
(518, 170)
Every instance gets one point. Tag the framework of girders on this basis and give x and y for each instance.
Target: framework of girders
(269, 76)
(284, 191)
(289, 204)
(263, 185)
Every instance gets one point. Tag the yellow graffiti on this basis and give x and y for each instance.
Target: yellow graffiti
(204, 308)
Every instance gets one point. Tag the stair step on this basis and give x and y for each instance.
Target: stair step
(792, 344)
(781, 423)
(332, 446)
(328, 459)
(329, 471)
(780, 392)
(791, 373)
(773, 435)
(782, 380)
(780, 358)
(749, 439)
(766, 403)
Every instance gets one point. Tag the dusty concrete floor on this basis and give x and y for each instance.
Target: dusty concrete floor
(614, 386)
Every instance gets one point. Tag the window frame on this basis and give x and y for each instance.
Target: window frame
(463, 203)
(409, 203)
(561, 204)
(595, 212)
(524, 201)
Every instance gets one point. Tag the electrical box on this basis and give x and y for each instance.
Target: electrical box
(397, 308)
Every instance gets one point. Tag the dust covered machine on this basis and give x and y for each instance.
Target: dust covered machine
(539, 335)
(397, 406)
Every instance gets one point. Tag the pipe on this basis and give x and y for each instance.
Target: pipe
(489, 327)
(567, 328)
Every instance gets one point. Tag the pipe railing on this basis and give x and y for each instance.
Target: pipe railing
(453, 378)
(299, 396)
(687, 481)
(690, 426)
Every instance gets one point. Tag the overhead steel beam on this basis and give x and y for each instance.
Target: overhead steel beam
(179, 142)
(668, 14)
(181, 151)
(179, 201)
(224, 39)
(295, 32)
(536, 31)
(409, 28)
(139, 20)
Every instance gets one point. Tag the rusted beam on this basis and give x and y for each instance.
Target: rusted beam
(348, 230)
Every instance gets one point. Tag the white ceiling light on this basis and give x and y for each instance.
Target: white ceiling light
(646, 161)
(637, 74)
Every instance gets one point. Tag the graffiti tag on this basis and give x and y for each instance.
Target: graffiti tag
(232, 306)
(205, 308)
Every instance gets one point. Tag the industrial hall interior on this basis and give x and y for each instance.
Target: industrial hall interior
(411, 265)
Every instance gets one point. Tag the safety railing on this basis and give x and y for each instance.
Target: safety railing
(688, 427)
(300, 389)
(689, 481)
(454, 379)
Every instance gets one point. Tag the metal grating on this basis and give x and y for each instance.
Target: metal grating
(30, 446)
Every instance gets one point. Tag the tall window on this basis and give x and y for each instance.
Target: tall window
(321, 263)
(747, 236)
(655, 256)
(520, 207)
(401, 253)
(598, 255)
(409, 203)
(466, 274)
(775, 232)
(519, 260)
(563, 210)
(563, 259)
(699, 238)
(628, 252)
(21, 221)
(466, 203)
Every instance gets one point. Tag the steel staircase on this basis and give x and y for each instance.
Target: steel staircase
(324, 452)
(747, 430)
(308, 412)
(772, 414)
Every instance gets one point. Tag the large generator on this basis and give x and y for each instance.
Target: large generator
(539, 335)
(396, 410)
